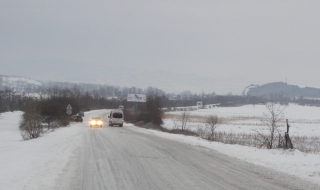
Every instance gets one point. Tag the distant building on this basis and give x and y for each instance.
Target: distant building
(199, 105)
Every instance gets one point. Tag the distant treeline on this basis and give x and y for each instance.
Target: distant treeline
(11, 101)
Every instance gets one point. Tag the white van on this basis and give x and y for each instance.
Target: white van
(116, 117)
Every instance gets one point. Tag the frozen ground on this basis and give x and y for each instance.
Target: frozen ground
(38, 164)
(304, 120)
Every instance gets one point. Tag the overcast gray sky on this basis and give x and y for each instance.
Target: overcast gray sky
(220, 46)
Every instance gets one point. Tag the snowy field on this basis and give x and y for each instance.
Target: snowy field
(304, 120)
(34, 164)
(37, 164)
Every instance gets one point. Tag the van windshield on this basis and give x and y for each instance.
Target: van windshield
(117, 115)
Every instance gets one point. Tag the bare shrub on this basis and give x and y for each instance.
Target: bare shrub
(186, 132)
(302, 143)
(54, 125)
(307, 144)
(243, 139)
(234, 138)
(30, 124)
(203, 132)
(175, 123)
(150, 125)
(224, 120)
(211, 123)
(272, 118)
(183, 120)
(130, 115)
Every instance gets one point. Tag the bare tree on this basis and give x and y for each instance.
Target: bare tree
(151, 111)
(273, 117)
(211, 122)
(183, 120)
(30, 125)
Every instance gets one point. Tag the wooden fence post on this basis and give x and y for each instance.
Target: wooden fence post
(287, 137)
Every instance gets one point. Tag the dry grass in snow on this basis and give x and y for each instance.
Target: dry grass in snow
(235, 126)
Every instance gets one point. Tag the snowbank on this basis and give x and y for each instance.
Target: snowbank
(291, 162)
(33, 164)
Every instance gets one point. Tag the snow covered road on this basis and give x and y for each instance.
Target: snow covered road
(78, 157)
(122, 158)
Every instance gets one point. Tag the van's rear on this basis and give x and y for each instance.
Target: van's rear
(116, 117)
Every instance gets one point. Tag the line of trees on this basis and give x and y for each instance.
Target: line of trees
(50, 105)
(11, 101)
(185, 98)
(50, 108)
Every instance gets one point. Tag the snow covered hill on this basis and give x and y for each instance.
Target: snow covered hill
(282, 89)
(19, 84)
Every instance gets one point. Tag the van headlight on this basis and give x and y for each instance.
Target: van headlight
(93, 122)
(99, 122)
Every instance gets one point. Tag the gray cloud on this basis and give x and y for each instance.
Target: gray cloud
(219, 46)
